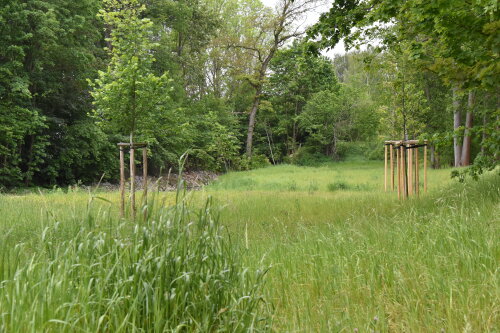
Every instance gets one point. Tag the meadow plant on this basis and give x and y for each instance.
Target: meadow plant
(175, 270)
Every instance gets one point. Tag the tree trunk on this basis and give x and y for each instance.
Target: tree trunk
(251, 121)
(433, 159)
(258, 91)
(457, 147)
(468, 125)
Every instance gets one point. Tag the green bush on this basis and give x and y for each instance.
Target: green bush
(259, 161)
(375, 150)
(84, 154)
(306, 156)
(342, 149)
(255, 162)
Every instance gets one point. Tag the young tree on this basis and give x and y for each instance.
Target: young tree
(128, 93)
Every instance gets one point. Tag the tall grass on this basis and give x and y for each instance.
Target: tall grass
(174, 271)
(343, 257)
(361, 260)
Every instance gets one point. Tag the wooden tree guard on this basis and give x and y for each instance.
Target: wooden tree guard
(122, 182)
(132, 147)
(385, 168)
(145, 181)
(392, 166)
(407, 165)
(398, 165)
(425, 168)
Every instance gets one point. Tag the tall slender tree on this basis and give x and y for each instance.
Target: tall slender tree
(128, 91)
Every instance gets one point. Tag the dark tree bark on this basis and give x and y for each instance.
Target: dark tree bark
(465, 161)
(251, 121)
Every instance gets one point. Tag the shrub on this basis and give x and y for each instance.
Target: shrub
(342, 149)
(255, 162)
(305, 156)
(375, 150)
(259, 161)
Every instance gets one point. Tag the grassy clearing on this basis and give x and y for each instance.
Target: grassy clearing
(342, 257)
(359, 259)
(351, 175)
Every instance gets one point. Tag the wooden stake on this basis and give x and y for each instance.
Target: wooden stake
(417, 180)
(404, 172)
(385, 168)
(132, 182)
(392, 166)
(425, 168)
(398, 165)
(122, 183)
(145, 181)
(410, 170)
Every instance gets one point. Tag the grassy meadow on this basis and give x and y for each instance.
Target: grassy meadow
(341, 254)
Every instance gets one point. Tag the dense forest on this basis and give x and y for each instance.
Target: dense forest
(239, 85)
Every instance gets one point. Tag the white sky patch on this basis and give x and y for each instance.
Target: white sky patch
(312, 18)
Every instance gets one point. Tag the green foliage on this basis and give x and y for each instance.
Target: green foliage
(297, 75)
(183, 76)
(22, 144)
(127, 93)
(87, 155)
(330, 117)
(487, 158)
(130, 98)
(184, 31)
(47, 50)
(257, 161)
(224, 146)
(457, 40)
(306, 156)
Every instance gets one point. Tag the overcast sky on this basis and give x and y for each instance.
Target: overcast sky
(313, 18)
